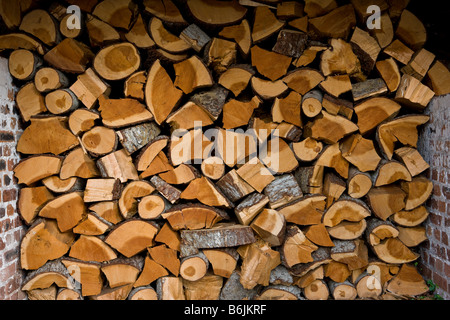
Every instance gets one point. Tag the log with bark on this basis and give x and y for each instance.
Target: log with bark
(208, 149)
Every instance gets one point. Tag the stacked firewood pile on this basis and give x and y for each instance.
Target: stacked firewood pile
(208, 149)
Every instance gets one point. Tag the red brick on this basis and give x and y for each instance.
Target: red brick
(444, 238)
(439, 280)
(447, 269)
(436, 190)
(437, 234)
(434, 174)
(435, 219)
(439, 266)
(9, 210)
(441, 206)
(9, 195)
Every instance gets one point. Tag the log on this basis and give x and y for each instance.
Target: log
(117, 61)
(99, 141)
(100, 32)
(374, 111)
(23, 64)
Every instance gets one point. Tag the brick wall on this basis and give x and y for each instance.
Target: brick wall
(11, 228)
(434, 145)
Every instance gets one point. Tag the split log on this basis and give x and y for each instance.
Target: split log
(353, 253)
(270, 64)
(78, 164)
(165, 10)
(412, 93)
(411, 30)
(117, 165)
(304, 211)
(132, 236)
(411, 218)
(70, 55)
(118, 113)
(117, 13)
(45, 276)
(91, 248)
(374, 111)
(47, 135)
(270, 225)
(68, 210)
(408, 282)
(215, 12)
(35, 168)
(418, 190)
(223, 261)
(40, 24)
(193, 216)
(265, 24)
(345, 209)
(335, 24)
(360, 152)
(192, 74)
(258, 260)
(31, 200)
(89, 87)
(389, 172)
(386, 200)
(248, 208)
(158, 87)
(402, 129)
(166, 257)
(30, 101)
(43, 242)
